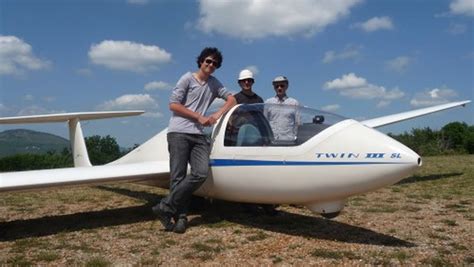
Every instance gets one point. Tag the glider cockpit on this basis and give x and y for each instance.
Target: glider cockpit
(274, 125)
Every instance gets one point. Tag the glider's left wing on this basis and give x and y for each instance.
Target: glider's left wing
(25, 180)
(386, 120)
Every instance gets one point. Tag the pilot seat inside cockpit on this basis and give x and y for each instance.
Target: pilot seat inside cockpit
(248, 126)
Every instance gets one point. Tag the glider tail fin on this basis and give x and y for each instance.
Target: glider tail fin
(78, 144)
(76, 137)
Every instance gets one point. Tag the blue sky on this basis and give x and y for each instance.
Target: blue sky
(357, 58)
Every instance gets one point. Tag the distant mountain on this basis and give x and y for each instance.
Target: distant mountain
(27, 141)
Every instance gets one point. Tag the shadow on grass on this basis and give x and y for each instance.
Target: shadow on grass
(294, 224)
(215, 215)
(51, 225)
(432, 177)
(142, 195)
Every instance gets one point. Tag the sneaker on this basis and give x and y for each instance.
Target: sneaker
(164, 217)
(181, 225)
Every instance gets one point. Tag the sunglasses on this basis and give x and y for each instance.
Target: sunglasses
(278, 85)
(213, 62)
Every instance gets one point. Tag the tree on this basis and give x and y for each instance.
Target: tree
(23, 162)
(454, 136)
(102, 150)
(469, 142)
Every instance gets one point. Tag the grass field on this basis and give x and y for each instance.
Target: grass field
(425, 219)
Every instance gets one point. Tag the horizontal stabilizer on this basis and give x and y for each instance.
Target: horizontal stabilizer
(386, 120)
(78, 145)
(62, 117)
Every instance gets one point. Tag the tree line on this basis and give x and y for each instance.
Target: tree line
(453, 138)
(101, 150)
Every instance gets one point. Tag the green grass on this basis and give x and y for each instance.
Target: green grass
(401, 256)
(380, 208)
(445, 177)
(199, 247)
(97, 261)
(220, 224)
(19, 260)
(47, 256)
(469, 259)
(203, 251)
(23, 245)
(441, 193)
(168, 243)
(437, 261)
(276, 259)
(449, 222)
(260, 235)
(331, 254)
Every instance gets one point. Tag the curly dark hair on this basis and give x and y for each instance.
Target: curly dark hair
(210, 51)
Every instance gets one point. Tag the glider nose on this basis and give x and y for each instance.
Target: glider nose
(377, 159)
(399, 161)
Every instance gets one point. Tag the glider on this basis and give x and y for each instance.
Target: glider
(330, 159)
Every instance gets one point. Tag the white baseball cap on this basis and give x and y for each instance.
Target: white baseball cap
(245, 74)
(280, 79)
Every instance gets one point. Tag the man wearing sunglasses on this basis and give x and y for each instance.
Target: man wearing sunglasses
(246, 95)
(283, 114)
(187, 142)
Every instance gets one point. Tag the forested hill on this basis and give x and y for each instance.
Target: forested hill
(28, 141)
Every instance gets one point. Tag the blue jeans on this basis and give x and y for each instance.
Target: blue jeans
(184, 148)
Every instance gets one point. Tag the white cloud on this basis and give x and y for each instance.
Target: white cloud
(49, 98)
(127, 102)
(36, 110)
(3, 109)
(349, 85)
(462, 7)
(153, 115)
(254, 69)
(29, 97)
(254, 19)
(470, 55)
(433, 97)
(350, 52)
(399, 64)
(375, 24)
(16, 57)
(84, 72)
(138, 2)
(157, 85)
(331, 108)
(456, 29)
(347, 81)
(129, 56)
(383, 103)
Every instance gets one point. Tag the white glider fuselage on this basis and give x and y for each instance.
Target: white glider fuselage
(343, 160)
(320, 169)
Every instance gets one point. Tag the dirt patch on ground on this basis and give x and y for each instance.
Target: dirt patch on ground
(425, 219)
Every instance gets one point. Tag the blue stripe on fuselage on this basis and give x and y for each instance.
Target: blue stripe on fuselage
(245, 162)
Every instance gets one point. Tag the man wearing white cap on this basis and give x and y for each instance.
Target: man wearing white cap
(283, 115)
(246, 95)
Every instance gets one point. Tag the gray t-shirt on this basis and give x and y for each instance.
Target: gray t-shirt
(283, 116)
(195, 97)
